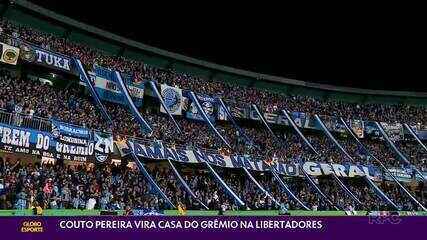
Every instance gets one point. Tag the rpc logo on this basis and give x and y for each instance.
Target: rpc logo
(385, 219)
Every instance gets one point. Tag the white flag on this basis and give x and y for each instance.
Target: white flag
(172, 97)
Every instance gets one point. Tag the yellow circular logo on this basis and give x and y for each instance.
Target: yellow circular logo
(10, 56)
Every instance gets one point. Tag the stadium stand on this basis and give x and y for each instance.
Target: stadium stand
(41, 91)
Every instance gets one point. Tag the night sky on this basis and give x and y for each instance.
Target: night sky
(345, 49)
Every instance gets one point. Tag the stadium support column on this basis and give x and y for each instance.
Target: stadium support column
(149, 178)
(94, 94)
(331, 137)
(310, 180)
(233, 121)
(341, 184)
(261, 188)
(123, 89)
(313, 184)
(159, 96)
(295, 127)
(381, 165)
(396, 150)
(264, 121)
(205, 117)
(381, 194)
(415, 136)
(185, 185)
(338, 145)
(287, 189)
(275, 175)
(405, 160)
(227, 189)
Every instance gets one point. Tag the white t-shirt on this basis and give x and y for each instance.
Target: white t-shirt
(314, 207)
(90, 204)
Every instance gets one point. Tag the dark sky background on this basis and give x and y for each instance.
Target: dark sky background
(347, 49)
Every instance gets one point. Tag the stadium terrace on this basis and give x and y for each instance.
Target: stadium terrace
(83, 129)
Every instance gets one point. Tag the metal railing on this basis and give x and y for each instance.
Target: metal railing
(25, 121)
(45, 125)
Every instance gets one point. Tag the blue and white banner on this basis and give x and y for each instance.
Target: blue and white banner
(229, 116)
(333, 124)
(402, 156)
(371, 130)
(145, 127)
(106, 86)
(157, 152)
(298, 131)
(85, 78)
(185, 185)
(273, 118)
(150, 179)
(236, 111)
(27, 141)
(390, 142)
(261, 117)
(260, 187)
(333, 139)
(248, 112)
(107, 90)
(206, 102)
(69, 129)
(33, 54)
(224, 185)
(172, 98)
(100, 148)
(104, 146)
(380, 193)
(206, 118)
(387, 171)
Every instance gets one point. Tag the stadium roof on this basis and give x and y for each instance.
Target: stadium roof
(46, 20)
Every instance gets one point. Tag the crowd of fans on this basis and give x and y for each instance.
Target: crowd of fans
(16, 34)
(113, 187)
(118, 187)
(75, 187)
